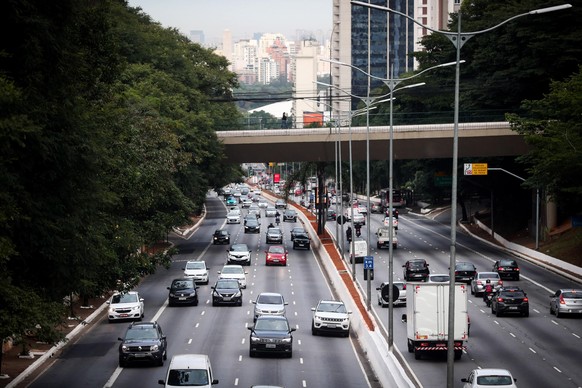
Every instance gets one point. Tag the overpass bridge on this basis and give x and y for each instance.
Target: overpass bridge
(425, 141)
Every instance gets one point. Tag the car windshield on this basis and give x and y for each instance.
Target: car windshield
(276, 250)
(572, 295)
(141, 333)
(512, 294)
(270, 299)
(332, 307)
(489, 275)
(239, 248)
(494, 380)
(182, 284)
(417, 264)
(188, 377)
(233, 270)
(195, 265)
(275, 230)
(227, 284)
(271, 324)
(507, 263)
(465, 266)
(439, 278)
(124, 298)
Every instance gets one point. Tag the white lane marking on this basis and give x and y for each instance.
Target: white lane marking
(575, 335)
(558, 370)
(236, 381)
(533, 351)
(190, 341)
(513, 335)
(113, 377)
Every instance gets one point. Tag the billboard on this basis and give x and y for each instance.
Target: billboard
(276, 178)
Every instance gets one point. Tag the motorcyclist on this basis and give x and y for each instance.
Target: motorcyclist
(488, 290)
(271, 225)
(358, 230)
(349, 233)
(277, 218)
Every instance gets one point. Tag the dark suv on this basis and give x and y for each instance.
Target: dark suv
(183, 291)
(507, 268)
(507, 301)
(221, 237)
(301, 240)
(465, 272)
(143, 342)
(416, 269)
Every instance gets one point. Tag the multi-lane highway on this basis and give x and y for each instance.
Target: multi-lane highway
(540, 350)
(221, 332)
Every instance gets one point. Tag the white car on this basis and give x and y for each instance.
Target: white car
(394, 222)
(438, 278)
(383, 294)
(239, 254)
(270, 211)
(263, 203)
(197, 270)
(233, 218)
(489, 377)
(269, 303)
(125, 305)
(234, 271)
(331, 316)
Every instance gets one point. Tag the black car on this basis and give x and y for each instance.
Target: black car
(416, 269)
(274, 236)
(271, 335)
(252, 226)
(183, 291)
(506, 301)
(465, 272)
(143, 342)
(221, 236)
(507, 268)
(302, 240)
(297, 230)
(290, 215)
(227, 291)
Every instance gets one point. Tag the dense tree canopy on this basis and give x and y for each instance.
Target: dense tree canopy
(107, 126)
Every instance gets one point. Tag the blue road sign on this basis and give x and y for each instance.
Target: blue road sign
(368, 262)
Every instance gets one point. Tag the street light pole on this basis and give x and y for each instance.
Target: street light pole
(458, 39)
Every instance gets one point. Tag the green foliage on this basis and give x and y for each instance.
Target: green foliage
(553, 130)
(107, 122)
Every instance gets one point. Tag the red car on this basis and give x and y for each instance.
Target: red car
(276, 254)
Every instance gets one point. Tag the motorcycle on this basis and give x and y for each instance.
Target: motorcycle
(488, 298)
(358, 232)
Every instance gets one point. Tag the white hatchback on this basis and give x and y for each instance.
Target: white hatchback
(197, 270)
(234, 271)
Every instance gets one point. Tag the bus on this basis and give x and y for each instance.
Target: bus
(399, 198)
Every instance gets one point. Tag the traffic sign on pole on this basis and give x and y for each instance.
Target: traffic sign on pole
(368, 262)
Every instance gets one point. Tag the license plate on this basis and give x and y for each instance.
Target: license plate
(138, 355)
(182, 298)
(124, 315)
(226, 298)
(270, 346)
(332, 326)
(513, 308)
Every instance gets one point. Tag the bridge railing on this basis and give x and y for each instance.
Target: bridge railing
(486, 126)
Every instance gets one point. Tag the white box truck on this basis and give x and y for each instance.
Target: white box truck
(383, 234)
(427, 318)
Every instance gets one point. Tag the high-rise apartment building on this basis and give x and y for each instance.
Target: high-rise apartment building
(377, 42)
(197, 36)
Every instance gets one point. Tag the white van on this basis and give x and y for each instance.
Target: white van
(360, 250)
(189, 370)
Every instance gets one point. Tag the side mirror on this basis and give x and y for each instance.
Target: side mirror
(464, 380)
(162, 382)
(404, 318)
(292, 329)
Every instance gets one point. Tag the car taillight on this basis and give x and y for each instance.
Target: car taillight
(500, 299)
(500, 268)
(562, 301)
(479, 282)
(525, 299)
(500, 282)
(404, 287)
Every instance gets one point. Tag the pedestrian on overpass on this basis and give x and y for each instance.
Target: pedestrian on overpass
(284, 121)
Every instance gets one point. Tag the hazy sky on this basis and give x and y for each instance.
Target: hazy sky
(241, 17)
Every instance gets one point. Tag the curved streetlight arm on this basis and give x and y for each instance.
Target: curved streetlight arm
(368, 101)
(391, 82)
(467, 35)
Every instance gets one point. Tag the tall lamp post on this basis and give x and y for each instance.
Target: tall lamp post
(458, 39)
(391, 83)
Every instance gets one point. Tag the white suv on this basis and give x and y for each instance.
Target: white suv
(269, 303)
(125, 305)
(197, 270)
(330, 316)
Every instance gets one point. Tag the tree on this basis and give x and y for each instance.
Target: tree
(552, 128)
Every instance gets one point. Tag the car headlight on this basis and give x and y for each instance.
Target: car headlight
(286, 340)
(172, 294)
(238, 293)
(215, 293)
(135, 308)
(155, 348)
(255, 339)
(124, 348)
